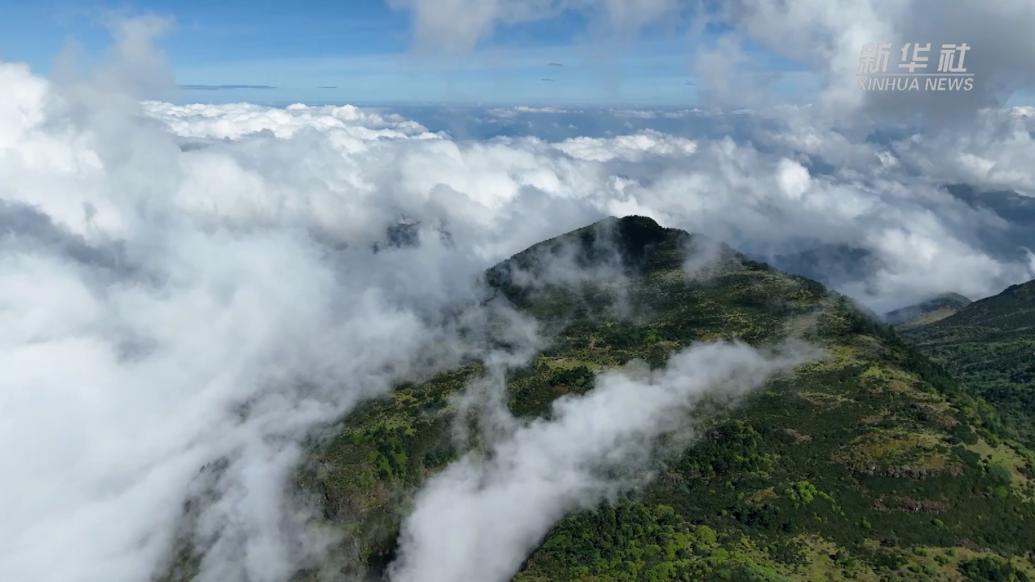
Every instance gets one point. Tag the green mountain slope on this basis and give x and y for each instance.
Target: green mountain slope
(990, 347)
(870, 464)
(930, 311)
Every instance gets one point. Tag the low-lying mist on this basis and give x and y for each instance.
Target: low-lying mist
(480, 517)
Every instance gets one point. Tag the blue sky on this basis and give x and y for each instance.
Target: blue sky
(361, 52)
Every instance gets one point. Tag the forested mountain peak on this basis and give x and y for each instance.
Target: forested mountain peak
(864, 462)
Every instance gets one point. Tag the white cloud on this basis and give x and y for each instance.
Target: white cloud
(793, 178)
(828, 36)
(629, 148)
(165, 307)
(479, 518)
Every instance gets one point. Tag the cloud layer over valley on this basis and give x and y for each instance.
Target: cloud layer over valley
(774, 187)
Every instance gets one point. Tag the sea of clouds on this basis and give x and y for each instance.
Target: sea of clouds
(189, 286)
(774, 189)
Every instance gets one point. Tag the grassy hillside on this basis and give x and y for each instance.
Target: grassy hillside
(930, 311)
(871, 464)
(990, 347)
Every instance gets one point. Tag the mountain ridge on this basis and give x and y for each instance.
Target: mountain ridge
(990, 346)
(926, 312)
(872, 463)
